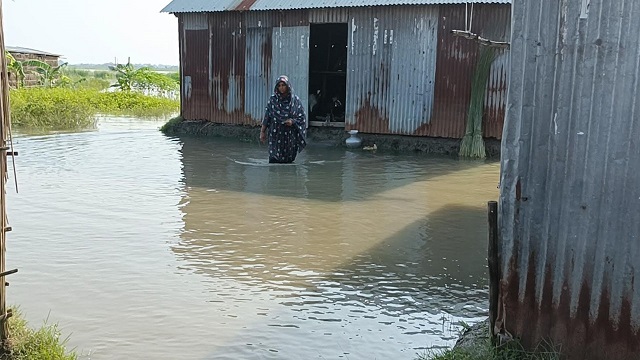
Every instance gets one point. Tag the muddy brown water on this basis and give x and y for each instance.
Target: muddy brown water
(142, 246)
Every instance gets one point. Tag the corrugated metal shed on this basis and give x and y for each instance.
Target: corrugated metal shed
(406, 73)
(185, 6)
(570, 198)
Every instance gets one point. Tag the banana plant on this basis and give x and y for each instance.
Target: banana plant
(49, 75)
(126, 75)
(16, 67)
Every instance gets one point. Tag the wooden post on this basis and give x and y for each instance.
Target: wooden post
(5, 124)
(494, 263)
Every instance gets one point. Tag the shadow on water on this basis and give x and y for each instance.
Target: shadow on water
(430, 265)
(392, 242)
(319, 173)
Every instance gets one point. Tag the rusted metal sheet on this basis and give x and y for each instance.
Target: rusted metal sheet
(228, 51)
(391, 68)
(570, 200)
(457, 58)
(294, 4)
(244, 5)
(189, 6)
(194, 48)
(271, 19)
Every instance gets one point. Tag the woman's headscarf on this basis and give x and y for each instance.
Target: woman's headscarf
(285, 106)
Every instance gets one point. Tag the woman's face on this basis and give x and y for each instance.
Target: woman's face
(282, 87)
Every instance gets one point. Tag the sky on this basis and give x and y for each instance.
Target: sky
(94, 31)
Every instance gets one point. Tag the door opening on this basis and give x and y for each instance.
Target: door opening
(327, 74)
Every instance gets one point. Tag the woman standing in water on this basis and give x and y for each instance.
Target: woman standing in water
(284, 120)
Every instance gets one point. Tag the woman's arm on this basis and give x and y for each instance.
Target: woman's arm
(300, 117)
(265, 124)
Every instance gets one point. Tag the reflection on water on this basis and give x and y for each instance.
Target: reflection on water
(144, 246)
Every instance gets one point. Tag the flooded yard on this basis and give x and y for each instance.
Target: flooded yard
(143, 246)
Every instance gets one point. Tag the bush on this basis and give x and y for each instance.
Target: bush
(67, 109)
(43, 108)
(132, 103)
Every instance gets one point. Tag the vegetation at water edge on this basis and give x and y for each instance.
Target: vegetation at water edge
(66, 109)
(60, 98)
(26, 343)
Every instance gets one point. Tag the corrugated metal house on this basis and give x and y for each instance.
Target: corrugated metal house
(22, 54)
(570, 198)
(379, 66)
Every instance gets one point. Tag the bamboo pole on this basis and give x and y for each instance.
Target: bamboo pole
(5, 124)
(494, 263)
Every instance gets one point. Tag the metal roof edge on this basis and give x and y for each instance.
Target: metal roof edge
(203, 6)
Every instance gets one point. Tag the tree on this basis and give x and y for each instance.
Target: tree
(126, 75)
(143, 79)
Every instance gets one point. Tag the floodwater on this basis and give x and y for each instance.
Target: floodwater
(142, 246)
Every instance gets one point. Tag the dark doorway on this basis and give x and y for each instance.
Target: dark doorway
(327, 74)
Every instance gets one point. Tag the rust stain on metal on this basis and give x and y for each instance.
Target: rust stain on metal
(228, 51)
(195, 65)
(456, 60)
(236, 117)
(586, 338)
(245, 5)
(267, 55)
(369, 117)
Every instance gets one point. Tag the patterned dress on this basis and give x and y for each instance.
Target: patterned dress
(285, 142)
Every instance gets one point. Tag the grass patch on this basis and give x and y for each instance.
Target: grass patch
(169, 126)
(486, 351)
(41, 344)
(71, 109)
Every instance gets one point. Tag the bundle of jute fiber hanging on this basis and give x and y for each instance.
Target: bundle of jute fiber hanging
(472, 145)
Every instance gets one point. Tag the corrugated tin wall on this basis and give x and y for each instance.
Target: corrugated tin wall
(391, 68)
(290, 53)
(228, 52)
(261, 72)
(194, 47)
(457, 58)
(393, 86)
(327, 16)
(258, 71)
(496, 26)
(570, 198)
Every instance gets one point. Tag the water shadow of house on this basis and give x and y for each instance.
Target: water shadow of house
(435, 263)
